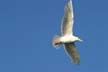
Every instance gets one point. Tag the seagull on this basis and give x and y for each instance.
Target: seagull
(67, 38)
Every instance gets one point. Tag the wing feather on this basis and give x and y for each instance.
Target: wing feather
(68, 19)
(72, 52)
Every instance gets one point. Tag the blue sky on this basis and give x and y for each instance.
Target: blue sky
(27, 28)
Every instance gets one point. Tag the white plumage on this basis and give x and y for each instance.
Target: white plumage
(67, 37)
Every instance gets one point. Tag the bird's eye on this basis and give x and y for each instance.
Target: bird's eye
(57, 43)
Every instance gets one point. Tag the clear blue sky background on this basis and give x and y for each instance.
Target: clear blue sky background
(27, 28)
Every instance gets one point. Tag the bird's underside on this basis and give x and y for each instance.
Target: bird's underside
(67, 30)
(67, 38)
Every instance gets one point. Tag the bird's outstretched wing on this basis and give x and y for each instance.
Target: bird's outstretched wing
(68, 19)
(73, 53)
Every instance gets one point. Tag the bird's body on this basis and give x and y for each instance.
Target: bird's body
(67, 37)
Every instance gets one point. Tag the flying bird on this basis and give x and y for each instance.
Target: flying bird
(67, 38)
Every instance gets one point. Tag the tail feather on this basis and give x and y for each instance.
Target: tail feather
(73, 53)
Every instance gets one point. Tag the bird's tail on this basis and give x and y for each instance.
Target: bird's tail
(73, 53)
(56, 41)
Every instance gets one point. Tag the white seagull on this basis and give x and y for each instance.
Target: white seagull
(67, 38)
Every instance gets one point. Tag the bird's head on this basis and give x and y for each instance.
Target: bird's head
(56, 44)
(56, 41)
